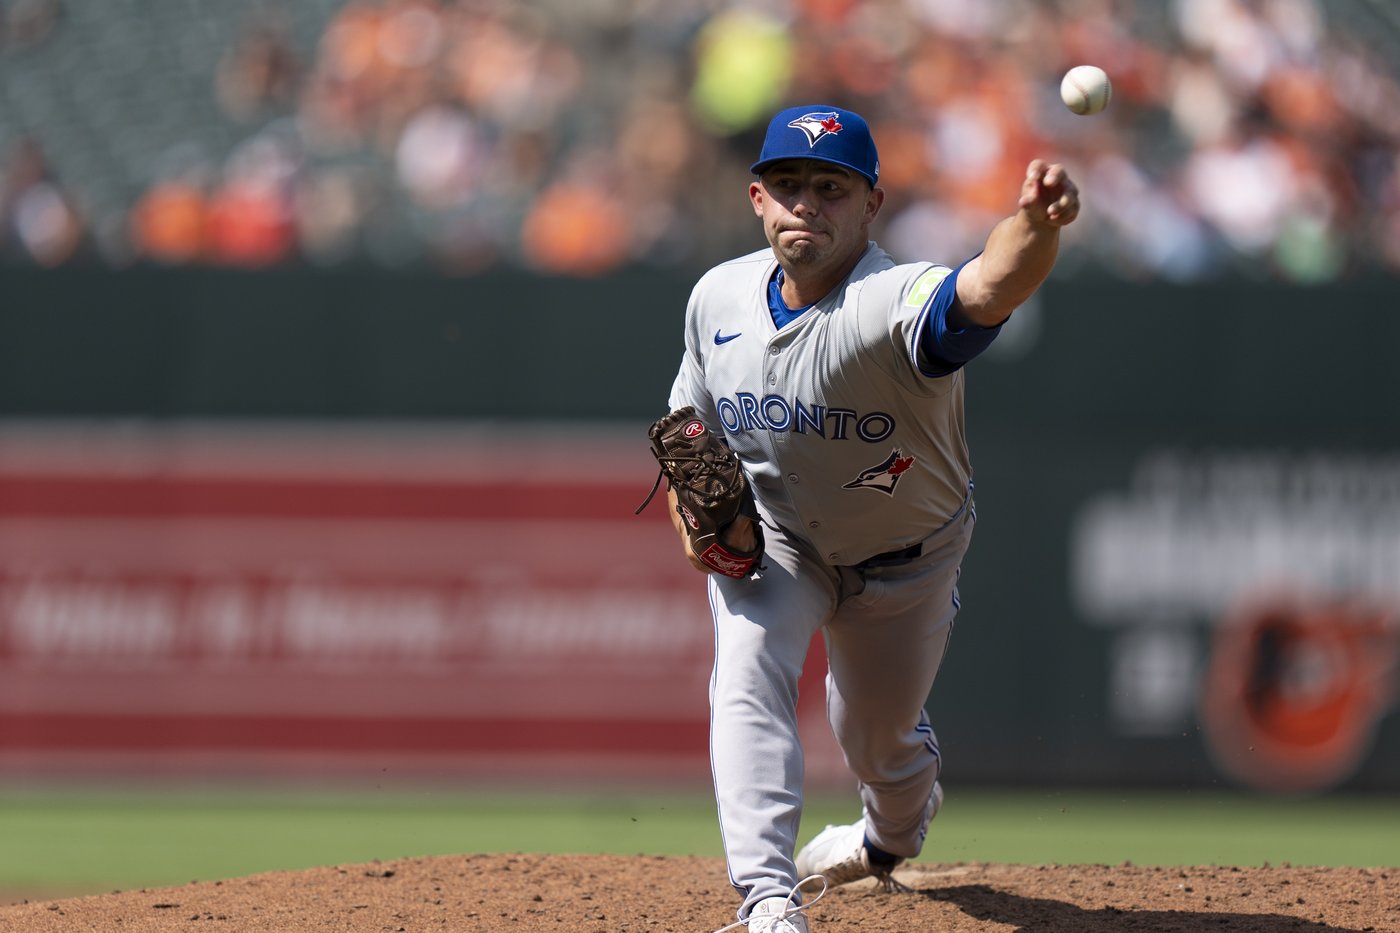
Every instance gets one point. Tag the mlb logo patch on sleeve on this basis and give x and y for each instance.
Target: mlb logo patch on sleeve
(925, 285)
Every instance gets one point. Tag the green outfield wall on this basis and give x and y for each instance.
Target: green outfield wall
(1186, 569)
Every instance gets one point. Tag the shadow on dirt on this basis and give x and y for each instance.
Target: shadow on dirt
(1039, 915)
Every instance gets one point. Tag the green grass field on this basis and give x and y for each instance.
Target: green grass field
(83, 841)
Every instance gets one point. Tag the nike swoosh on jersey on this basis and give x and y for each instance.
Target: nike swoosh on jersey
(719, 339)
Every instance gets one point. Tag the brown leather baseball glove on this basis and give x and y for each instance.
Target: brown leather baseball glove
(711, 491)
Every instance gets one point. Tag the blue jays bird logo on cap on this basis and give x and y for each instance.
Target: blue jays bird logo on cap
(817, 125)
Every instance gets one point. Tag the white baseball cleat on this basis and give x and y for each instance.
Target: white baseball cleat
(839, 853)
(777, 915)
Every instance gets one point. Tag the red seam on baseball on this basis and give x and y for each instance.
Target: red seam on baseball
(1088, 98)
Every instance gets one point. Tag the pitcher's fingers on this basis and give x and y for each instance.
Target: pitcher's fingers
(1063, 210)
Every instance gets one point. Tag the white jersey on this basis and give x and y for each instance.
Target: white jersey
(847, 442)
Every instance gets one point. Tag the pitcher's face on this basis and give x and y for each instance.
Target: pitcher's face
(815, 214)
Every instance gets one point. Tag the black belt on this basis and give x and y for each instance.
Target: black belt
(890, 558)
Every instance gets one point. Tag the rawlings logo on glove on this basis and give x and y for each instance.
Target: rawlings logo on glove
(711, 491)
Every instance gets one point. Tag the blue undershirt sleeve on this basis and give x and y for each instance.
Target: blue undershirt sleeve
(950, 341)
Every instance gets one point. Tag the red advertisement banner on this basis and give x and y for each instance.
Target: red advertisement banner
(252, 600)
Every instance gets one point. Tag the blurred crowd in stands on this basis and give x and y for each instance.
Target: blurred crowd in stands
(577, 137)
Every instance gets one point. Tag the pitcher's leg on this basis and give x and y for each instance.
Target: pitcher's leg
(762, 631)
(884, 649)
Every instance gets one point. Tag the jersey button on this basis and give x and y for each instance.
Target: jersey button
(772, 379)
(814, 524)
(794, 478)
(774, 350)
(833, 557)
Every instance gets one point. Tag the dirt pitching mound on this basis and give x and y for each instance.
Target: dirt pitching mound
(604, 894)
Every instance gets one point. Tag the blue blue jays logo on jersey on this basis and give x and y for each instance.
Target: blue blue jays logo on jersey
(884, 476)
(817, 125)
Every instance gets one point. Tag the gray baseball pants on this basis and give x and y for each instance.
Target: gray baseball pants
(886, 630)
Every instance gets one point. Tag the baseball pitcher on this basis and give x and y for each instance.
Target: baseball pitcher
(818, 473)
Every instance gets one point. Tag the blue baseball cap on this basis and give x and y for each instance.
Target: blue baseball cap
(827, 134)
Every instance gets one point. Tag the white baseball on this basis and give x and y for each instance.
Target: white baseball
(1086, 89)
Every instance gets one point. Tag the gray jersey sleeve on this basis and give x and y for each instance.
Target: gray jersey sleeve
(893, 313)
(689, 386)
